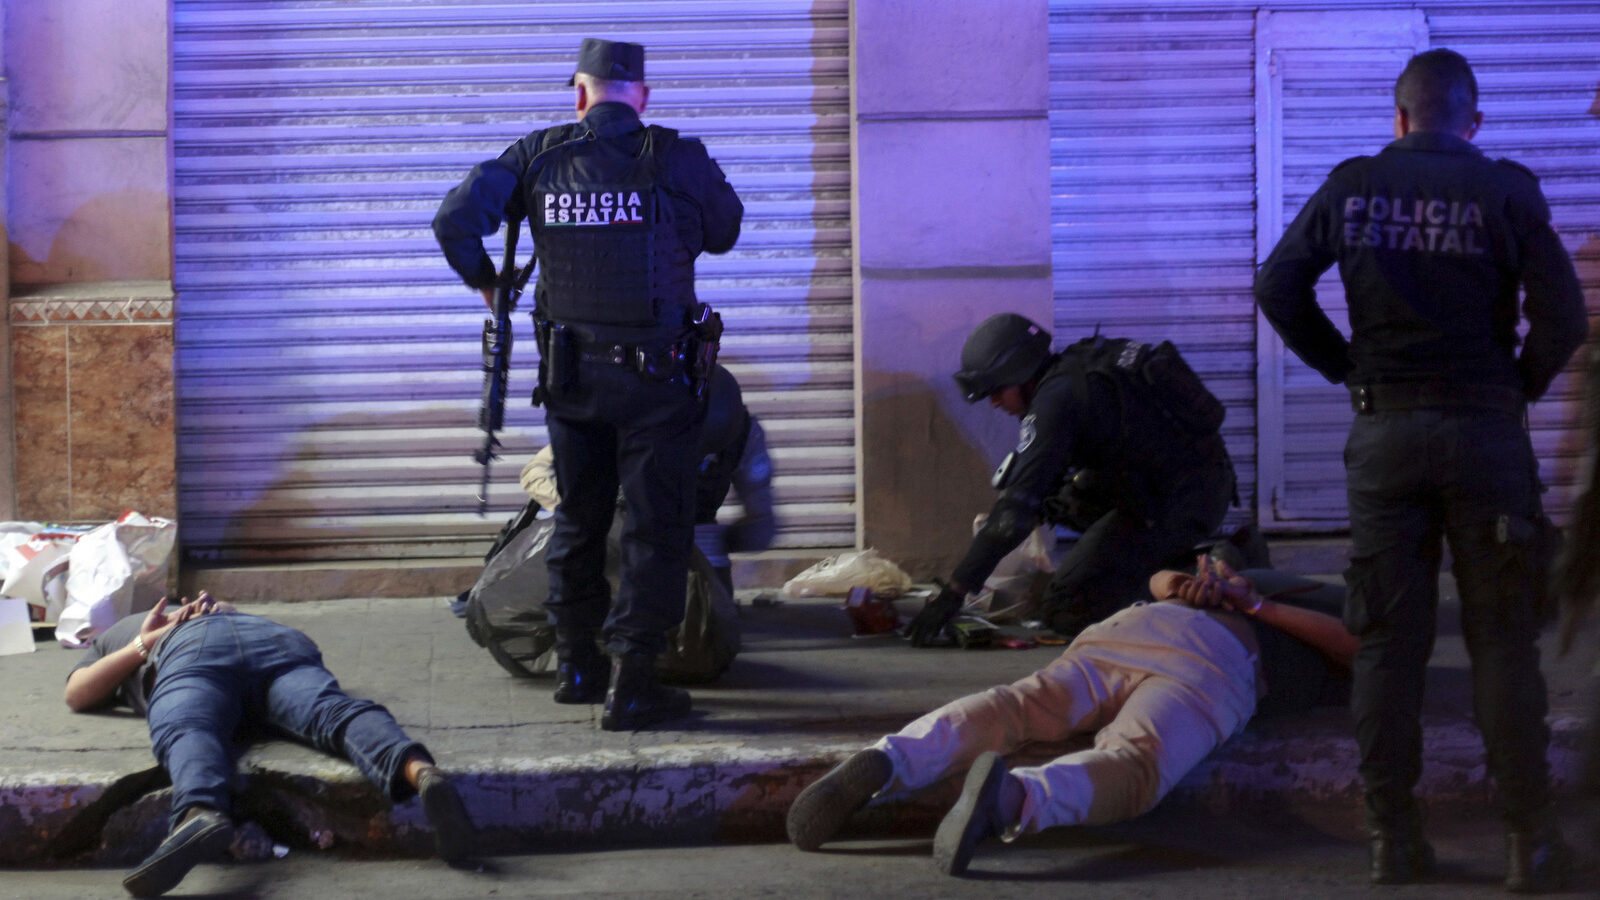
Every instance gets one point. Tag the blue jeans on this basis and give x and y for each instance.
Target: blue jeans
(1417, 477)
(227, 672)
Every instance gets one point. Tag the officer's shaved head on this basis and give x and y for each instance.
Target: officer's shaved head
(1438, 92)
(592, 90)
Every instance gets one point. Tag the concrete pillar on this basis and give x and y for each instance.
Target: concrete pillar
(952, 224)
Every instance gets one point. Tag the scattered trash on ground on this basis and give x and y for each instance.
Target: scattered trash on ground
(836, 575)
(84, 578)
(871, 613)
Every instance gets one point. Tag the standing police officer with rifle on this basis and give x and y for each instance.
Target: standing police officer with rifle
(1119, 439)
(618, 212)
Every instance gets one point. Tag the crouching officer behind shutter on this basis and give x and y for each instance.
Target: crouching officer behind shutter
(1090, 411)
(1432, 239)
(618, 211)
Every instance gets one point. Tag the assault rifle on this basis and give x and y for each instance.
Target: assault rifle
(497, 356)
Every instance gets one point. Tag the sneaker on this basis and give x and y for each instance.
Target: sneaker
(827, 803)
(205, 834)
(453, 834)
(975, 817)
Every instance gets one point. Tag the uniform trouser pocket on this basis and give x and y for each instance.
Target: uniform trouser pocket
(1391, 606)
(1497, 569)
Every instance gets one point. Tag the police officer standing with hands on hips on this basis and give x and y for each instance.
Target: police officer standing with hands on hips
(1091, 410)
(1432, 239)
(618, 212)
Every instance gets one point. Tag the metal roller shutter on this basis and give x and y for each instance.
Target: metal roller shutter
(1324, 93)
(328, 359)
(1152, 134)
(1155, 120)
(1539, 89)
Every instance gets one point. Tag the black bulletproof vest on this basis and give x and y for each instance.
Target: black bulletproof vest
(612, 260)
(1146, 446)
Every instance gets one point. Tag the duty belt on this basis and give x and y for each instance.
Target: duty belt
(1376, 398)
(660, 361)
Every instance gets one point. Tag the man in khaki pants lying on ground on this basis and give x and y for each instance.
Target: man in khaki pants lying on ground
(1159, 685)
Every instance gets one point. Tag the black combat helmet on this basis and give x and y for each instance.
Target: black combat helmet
(1004, 349)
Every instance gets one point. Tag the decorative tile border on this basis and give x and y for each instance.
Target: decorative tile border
(91, 306)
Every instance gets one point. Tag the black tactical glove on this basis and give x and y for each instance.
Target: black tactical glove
(935, 616)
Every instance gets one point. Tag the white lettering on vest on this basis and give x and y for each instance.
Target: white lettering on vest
(593, 208)
(1365, 218)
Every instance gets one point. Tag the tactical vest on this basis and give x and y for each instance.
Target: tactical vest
(1166, 417)
(612, 259)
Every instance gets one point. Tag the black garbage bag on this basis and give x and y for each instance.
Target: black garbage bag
(505, 609)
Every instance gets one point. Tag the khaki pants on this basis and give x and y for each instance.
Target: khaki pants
(1159, 685)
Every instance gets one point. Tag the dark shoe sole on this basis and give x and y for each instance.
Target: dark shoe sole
(196, 841)
(971, 819)
(453, 832)
(642, 719)
(829, 802)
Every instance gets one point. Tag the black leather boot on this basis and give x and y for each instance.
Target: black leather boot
(1400, 854)
(637, 698)
(582, 671)
(1537, 861)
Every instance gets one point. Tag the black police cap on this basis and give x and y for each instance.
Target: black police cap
(611, 60)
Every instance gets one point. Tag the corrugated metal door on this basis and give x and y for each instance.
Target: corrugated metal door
(328, 359)
(1538, 69)
(1152, 137)
(1324, 93)
(1169, 123)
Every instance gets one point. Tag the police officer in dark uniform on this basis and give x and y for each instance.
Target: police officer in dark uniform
(618, 212)
(1169, 487)
(1432, 240)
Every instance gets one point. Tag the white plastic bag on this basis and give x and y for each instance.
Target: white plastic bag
(13, 534)
(36, 567)
(1013, 591)
(836, 575)
(116, 569)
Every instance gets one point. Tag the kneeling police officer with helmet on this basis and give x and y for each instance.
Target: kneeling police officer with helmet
(1119, 440)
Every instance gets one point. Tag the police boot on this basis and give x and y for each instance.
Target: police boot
(637, 698)
(1400, 854)
(1537, 860)
(582, 671)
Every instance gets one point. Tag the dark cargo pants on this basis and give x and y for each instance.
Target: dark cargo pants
(1469, 477)
(619, 428)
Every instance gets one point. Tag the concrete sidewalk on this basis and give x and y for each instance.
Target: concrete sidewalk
(804, 693)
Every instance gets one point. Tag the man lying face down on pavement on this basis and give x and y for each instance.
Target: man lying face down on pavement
(204, 673)
(1159, 685)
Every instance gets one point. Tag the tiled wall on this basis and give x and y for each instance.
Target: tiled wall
(88, 248)
(94, 396)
